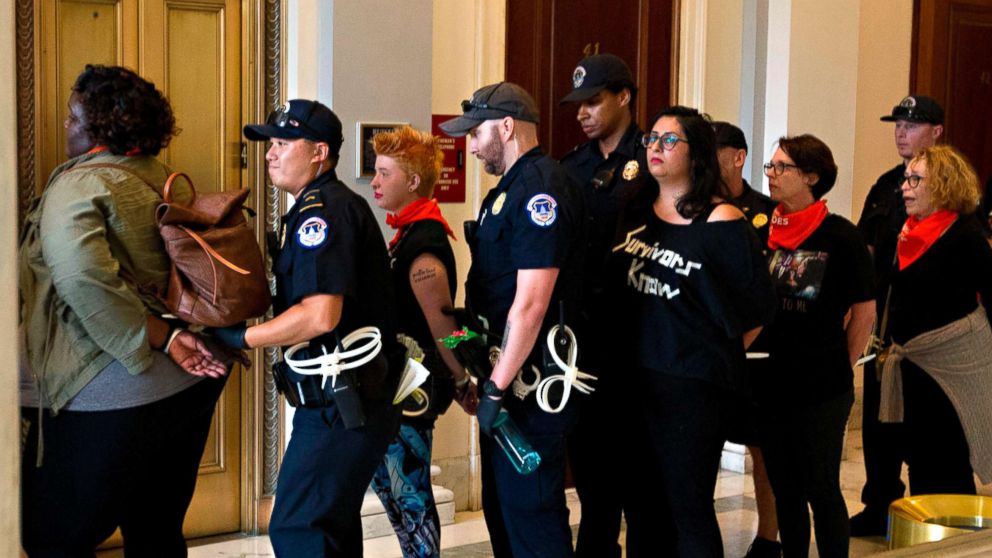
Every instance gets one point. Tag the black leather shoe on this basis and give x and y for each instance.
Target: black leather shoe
(869, 523)
(764, 548)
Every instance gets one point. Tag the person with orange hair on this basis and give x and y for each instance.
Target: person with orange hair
(407, 166)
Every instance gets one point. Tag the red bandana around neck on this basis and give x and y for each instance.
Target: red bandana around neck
(789, 230)
(419, 210)
(101, 148)
(918, 235)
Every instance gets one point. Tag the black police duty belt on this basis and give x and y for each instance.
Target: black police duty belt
(328, 378)
(557, 369)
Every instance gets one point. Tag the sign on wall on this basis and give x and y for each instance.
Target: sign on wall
(365, 154)
(450, 186)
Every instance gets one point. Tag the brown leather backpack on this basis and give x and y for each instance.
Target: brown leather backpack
(218, 276)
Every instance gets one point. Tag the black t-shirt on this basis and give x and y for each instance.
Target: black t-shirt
(943, 284)
(757, 209)
(687, 294)
(532, 219)
(423, 237)
(816, 285)
(330, 244)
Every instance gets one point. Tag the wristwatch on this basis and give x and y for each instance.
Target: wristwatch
(490, 389)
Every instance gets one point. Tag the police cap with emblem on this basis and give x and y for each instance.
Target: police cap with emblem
(916, 108)
(300, 119)
(491, 102)
(597, 72)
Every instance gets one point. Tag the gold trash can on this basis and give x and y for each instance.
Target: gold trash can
(935, 517)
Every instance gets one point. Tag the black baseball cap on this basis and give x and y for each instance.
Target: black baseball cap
(300, 119)
(728, 135)
(490, 102)
(917, 108)
(597, 72)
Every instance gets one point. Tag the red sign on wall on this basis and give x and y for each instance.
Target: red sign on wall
(450, 186)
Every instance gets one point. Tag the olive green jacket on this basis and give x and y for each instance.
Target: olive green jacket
(88, 240)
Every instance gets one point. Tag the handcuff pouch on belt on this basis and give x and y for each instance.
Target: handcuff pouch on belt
(315, 381)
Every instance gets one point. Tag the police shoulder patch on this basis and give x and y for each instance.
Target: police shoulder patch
(312, 233)
(543, 210)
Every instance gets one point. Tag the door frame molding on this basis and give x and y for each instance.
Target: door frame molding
(263, 89)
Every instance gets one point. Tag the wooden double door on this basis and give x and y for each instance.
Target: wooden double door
(546, 39)
(952, 62)
(191, 50)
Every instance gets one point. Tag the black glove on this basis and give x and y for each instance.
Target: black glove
(232, 336)
(487, 412)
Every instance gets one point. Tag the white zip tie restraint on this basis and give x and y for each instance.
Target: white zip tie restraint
(572, 376)
(332, 364)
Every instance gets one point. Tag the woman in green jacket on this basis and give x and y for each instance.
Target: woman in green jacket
(118, 401)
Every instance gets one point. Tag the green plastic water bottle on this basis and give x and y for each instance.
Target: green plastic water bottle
(517, 449)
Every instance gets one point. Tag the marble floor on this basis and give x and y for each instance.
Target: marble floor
(467, 537)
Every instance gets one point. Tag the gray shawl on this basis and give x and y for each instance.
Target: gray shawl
(958, 356)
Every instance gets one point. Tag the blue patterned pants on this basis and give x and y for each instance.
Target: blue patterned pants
(403, 484)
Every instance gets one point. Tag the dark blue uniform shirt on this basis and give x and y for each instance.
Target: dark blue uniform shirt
(330, 244)
(757, 209)
(532, 219)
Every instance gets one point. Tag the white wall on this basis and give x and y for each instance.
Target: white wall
(10, 440)
(468, 52)
(884, 57)
(786, 67)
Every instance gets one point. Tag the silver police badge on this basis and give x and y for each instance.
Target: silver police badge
(578, 76)
(908, 102)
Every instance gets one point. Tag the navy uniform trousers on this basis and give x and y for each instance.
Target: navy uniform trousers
(325, 473)
(526, 514)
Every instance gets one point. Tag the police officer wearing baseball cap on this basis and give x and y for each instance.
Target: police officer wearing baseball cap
(919, 123)
(732, 153)
(332, 279)
(525, 265)
(605, 167)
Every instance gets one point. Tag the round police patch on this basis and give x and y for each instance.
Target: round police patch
(578, 76)
(312, 233)
(542, 210)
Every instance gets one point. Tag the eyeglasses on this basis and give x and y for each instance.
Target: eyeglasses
(666, 141)
(913, 180)
(281, 118)
(778, 167)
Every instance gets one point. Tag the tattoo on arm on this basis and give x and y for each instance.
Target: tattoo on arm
(421, 275)
(506, 337)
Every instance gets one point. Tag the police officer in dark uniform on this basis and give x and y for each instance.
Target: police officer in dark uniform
(731, 151)
(919, 123)
(525, 265)
(332, 280)
(604, 168)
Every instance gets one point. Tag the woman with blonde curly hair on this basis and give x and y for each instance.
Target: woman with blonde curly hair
(937, 376)
(407, 166)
